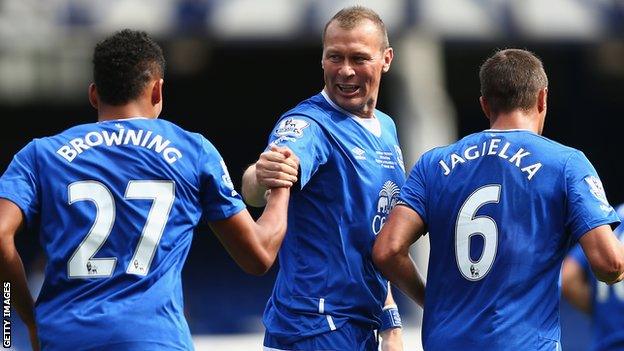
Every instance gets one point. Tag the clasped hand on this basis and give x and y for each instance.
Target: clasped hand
(277, 167)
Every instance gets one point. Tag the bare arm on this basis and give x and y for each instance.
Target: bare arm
(275, 168)
(254, 245)
(12, 268)
(252, 191)
(391, 339)
(604, 253)
(575, 286)
(391, 251)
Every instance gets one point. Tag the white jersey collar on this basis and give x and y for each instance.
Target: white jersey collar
(123, 119)
(509, 130)
(371, 124)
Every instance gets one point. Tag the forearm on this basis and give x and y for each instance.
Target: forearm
(12, 272)
(620, 277)
(252, 191)
(605, 254)
(613, 271)
(402, 272)
(273, 222)
(391, 337)
(391, 251)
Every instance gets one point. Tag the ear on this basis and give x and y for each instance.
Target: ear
(485, 107)
(93, 96)
(388, 55)
(542, 96)
(157, 91)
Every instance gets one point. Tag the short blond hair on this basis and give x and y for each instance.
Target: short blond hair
(349, 17)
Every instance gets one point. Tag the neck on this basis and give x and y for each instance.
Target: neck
(517, 119)
(366, 111)
(132, 109)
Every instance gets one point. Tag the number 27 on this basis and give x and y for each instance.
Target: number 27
(82, 264)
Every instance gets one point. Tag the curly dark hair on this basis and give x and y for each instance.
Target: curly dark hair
(123, 63)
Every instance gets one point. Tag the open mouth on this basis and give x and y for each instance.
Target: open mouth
(348, 89)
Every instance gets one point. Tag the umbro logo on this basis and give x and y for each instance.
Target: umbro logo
(358, 153)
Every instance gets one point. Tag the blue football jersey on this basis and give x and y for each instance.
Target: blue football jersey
(350, 177)
(607, 313)
(116, 203)
(502, 208)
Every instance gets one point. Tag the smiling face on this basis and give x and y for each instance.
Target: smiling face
(353, 62)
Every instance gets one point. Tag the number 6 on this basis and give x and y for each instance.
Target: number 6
(468, 225)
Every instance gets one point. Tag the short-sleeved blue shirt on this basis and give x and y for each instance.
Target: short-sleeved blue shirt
(502, 208)
(116, 204)
(350, 177)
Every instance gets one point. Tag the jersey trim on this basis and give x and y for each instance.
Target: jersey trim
(508, 130)
(123, 119)
(321, 309)
(330, 321)
(374, 128)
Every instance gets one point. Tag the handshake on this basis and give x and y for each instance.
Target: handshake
(277, 167)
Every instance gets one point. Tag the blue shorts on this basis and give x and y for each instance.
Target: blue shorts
(349, 337)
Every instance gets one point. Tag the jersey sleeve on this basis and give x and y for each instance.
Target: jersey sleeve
(587, 204)
(619, 231)
(20, 182)
(219, 200)
(306, 139)
(414, 192)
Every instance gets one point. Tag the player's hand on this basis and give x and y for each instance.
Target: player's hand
(277, 167)
(291, 159)
(392, 340)
(617, 280)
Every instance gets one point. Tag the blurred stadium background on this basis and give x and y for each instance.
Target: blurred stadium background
(235, 65)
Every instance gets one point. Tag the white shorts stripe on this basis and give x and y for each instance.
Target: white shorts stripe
(322, 306)
(330, 320)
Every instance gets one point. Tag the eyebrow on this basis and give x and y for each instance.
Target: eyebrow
(356, 53)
